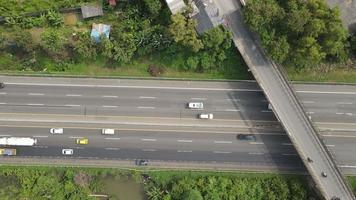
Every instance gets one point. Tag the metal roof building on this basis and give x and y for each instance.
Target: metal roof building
(91, 11)
(175, 5)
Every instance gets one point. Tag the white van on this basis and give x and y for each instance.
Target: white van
(107, 131)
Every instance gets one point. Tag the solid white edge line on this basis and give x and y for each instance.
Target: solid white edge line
(35, 104)
(136, 87)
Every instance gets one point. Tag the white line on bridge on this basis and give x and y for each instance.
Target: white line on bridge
(289, 154)
(74, 137)
(308, 101)
(232, 110)
(2, 103)
(266, 111)
(3, 93)
(287, 144)
(344, 103)
(40, 136)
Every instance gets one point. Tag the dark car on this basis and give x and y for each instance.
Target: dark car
(141, 162)
(249, 137)
(2, 85)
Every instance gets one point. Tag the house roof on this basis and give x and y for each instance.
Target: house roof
(112, 2)
(207, 16)
(175, 5)
(91, 11)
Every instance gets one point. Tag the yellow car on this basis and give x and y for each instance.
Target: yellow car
(82, 141)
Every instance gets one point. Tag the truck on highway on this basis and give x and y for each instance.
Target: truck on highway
(17, 141)
(8, 152)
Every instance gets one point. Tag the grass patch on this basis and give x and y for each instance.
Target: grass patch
(352, 181)
(325, 73)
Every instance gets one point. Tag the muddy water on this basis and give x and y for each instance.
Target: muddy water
(123, 188)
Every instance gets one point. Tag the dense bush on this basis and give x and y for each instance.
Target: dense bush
(192, 186)
(298, 33)
(41, 183)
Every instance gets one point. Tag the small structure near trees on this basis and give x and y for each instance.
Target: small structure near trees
(175, 5)
(91, 11)
(98, 30)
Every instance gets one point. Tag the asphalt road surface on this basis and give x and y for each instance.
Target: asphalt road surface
(163, 104)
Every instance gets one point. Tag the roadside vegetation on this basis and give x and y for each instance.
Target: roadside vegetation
(145, 40)
(307, 37)
(70, 183)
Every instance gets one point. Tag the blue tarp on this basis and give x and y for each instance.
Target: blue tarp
(98, 30)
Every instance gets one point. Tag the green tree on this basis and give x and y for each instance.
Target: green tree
(182, 30)
(53, 41)
(120, 49)
(85, 46)
(23, 40)
(152, 7)
(353, 44)
(54, 18)
(192, 195)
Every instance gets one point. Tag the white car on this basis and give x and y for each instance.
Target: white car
(107, 131)
(196, 105)
(206, 116)
(56, 130)
(67, 151)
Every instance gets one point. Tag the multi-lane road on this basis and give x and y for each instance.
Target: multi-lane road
(152, 121)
